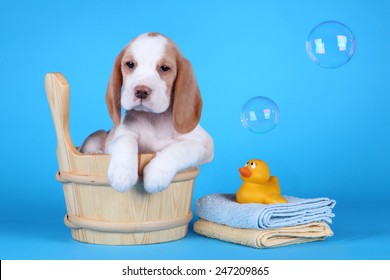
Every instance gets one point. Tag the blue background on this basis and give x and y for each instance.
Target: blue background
(332, 140)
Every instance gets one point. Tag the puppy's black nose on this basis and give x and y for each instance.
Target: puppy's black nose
(142, 92)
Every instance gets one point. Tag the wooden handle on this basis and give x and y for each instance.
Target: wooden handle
(57, 91)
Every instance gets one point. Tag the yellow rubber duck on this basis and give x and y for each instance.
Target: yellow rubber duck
(259, 186)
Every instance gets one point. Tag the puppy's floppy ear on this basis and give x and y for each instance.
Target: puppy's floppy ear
(113, 93)
(187, 102)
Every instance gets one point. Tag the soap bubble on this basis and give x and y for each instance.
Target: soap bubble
(260, 114)
(330, 44)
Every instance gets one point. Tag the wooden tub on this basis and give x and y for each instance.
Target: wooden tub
(97, 213)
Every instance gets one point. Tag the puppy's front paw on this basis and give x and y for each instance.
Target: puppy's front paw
(157, 177)
(121, 178)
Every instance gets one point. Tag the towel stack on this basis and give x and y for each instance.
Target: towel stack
(264, 225)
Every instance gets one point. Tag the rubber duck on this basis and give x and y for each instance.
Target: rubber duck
(258, 185)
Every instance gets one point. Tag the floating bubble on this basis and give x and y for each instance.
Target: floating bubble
(260, 114)
(330, 44)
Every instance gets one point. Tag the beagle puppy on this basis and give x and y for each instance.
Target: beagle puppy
(156, 87)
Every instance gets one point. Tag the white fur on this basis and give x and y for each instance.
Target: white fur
(148, 127)
(147, 51)
(175, 152)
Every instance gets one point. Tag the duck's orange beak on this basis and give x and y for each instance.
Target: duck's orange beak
(245, 172)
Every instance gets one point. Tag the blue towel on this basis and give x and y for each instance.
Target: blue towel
(223, 209)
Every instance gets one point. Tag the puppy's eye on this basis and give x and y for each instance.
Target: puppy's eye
(165, 68)
(130, 64)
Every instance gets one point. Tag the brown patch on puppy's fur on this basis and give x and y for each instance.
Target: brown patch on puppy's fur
(154, 34)
(113, 93)
(187, 102)
(168, 59)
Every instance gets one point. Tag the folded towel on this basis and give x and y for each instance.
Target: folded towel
(223, 209)
(264, 238)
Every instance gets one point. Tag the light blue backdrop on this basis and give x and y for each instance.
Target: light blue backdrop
(332, 139)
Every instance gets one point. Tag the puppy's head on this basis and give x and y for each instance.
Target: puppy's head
(150, 74)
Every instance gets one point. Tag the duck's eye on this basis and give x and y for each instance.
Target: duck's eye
(165, 68)
(246, 164)
(253, 165)
(130, 64)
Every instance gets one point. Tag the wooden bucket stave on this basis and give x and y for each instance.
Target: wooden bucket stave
(97, 213)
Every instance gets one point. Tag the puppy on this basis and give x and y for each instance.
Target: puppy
(156, 87)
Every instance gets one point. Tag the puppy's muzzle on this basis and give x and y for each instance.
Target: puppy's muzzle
(142, 92)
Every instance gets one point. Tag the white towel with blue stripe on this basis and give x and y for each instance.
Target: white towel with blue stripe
(223, 209)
